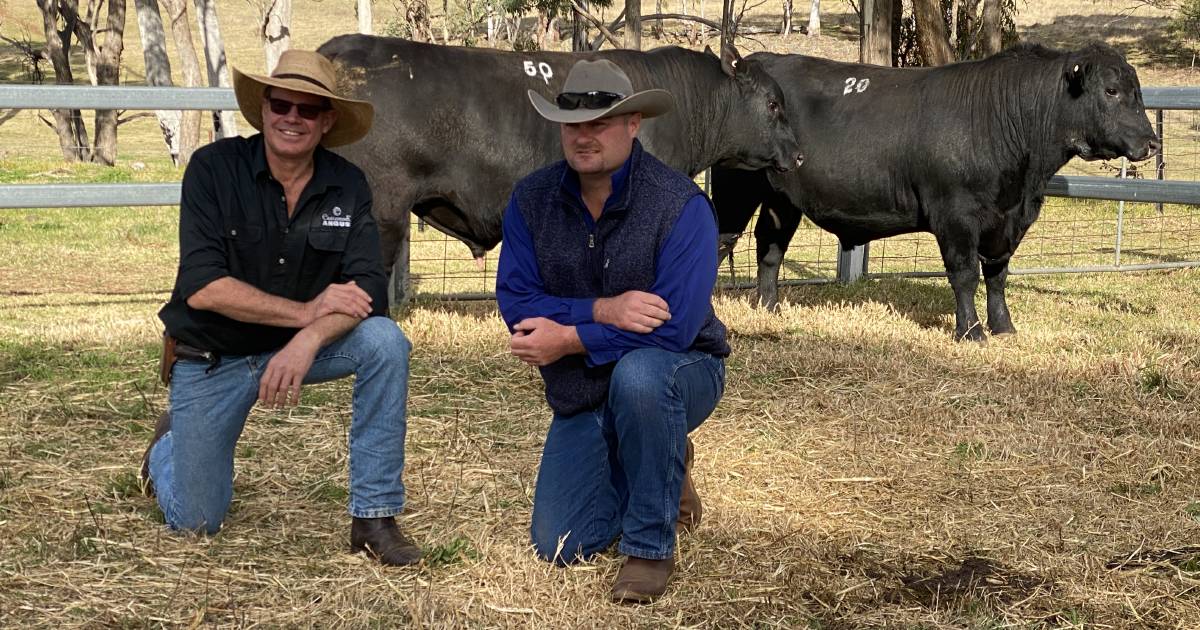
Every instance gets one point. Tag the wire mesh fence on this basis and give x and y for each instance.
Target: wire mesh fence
(1070, 235)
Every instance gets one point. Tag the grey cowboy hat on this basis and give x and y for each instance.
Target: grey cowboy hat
(311, 73)
(602, 76)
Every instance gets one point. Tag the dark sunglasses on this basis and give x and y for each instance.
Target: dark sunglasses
(281, 107)
(587, 100)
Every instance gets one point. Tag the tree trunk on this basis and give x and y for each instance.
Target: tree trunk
(991, 29)
(931, 32)
(657, 29)
(728, 27)
(446, 21)
(814, 19)
(633, 24)
(953, 34)
(68, 123)
(364, 17)
(158, 68)
(189, 62)
(579, 29)
(492, 31)
(224, 124)
(85, 28)
(108, 72)
(875, 43)
(785, 25)
(276, 31)
(897, 22)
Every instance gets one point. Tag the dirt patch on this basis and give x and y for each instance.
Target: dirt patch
(974, 578)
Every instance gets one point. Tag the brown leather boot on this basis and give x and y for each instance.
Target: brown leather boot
(382, 539)
(690, 509)
(160, 429)
(641, 581)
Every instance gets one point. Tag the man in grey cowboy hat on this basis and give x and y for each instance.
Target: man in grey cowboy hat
(281, 283)
(605, 282)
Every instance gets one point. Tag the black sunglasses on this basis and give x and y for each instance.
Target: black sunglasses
(587, 100)
(281, 107)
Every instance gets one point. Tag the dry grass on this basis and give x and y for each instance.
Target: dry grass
(863, 470)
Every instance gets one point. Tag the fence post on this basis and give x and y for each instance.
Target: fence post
(851, 263)
(1121, 215)
(1159, 166)
(398, 288)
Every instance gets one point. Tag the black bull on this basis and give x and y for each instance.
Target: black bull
(961, 151)
(454, 129)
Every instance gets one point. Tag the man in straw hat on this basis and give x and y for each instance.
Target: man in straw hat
(605, 281)
(281, 283)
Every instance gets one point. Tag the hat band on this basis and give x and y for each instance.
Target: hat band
(302, 78)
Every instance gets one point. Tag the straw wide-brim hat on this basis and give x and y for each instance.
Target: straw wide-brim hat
(309, 72)
(603, 75)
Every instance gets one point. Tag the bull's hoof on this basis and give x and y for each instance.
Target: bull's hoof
(1003, 329)
(974, 333)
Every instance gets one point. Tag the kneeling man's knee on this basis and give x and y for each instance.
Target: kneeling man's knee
(384, 337)
(637, 376)
(196, 520)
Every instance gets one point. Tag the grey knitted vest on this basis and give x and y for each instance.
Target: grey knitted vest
(618, 255)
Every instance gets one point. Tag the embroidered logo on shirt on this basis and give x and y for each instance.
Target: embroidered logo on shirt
(334, 218)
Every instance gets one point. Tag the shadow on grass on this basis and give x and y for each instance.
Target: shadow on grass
(1144, 40)
(926, 302)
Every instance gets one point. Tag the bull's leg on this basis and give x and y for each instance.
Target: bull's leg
(959, 247)
(995, 276)
(725, 245)
(736, 194)
(776, 225)
(393, 237)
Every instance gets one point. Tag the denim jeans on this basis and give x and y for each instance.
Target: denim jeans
(192, 465)
(617, 470)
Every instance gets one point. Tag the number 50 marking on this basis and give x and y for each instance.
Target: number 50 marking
(542, 68)
(856, 85)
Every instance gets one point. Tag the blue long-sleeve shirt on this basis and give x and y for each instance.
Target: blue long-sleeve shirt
(686, 271)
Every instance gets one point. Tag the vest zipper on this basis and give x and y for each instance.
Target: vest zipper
(592, 240)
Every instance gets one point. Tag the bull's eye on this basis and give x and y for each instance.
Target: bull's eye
(773, 106)
(1111, 91)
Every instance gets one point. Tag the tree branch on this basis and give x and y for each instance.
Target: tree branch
(612, 27)
(596, 22)
(133, 117)
(675, 16)
(7, 116)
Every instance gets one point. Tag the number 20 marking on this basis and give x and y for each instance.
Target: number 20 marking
(543, 68)
(856, 85)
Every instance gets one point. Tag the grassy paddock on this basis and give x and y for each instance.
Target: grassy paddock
(862, 470)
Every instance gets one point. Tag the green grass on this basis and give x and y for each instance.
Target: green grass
(453, 552)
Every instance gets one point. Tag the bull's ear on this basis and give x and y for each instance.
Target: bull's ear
(709, 51)
(1075, 75)
(731, 61)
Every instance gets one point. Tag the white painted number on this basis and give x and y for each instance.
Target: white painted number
(542, 68)
(856, 85)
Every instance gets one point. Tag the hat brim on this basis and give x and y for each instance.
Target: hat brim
(354, 117)
(649, 103)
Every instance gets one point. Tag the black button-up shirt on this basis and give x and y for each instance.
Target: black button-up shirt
(233, 222)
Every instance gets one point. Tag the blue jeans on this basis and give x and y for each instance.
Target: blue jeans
(617, 470)
(192, 465)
